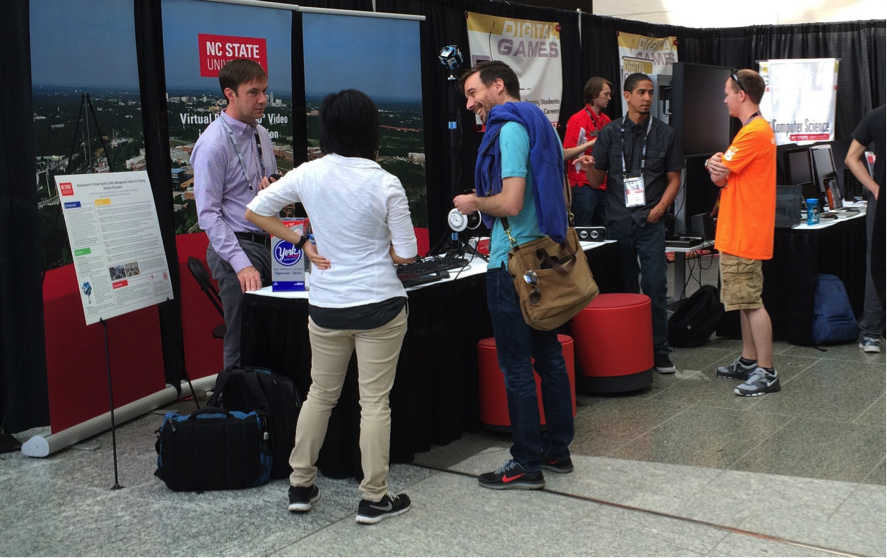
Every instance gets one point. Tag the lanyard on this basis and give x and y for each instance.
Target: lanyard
(240, 155)
(593, 119)
(752, 117)
(643, 153)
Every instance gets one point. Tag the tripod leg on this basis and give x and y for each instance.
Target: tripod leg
(111, 397)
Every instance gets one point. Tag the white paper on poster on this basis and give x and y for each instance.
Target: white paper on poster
(799, 100)
(645, 55)
(115, 241)
(531, 48)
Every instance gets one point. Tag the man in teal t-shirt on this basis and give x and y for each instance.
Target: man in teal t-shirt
(514, 142)
(526, 135)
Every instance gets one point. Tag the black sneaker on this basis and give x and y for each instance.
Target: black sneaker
(512, 476)
(389, 506)
(564, 465)
(663, 364)
(737, 370)
(301, 497)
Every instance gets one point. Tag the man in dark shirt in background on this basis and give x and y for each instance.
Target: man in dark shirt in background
(642, 161)
(870, 130)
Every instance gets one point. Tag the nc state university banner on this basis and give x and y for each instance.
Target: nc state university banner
(531, 48)
(800, 99)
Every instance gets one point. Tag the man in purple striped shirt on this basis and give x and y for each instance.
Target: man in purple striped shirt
(232, 161)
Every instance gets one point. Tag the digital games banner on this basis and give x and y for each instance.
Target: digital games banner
(67, 64)
(645, 55)
(198, 39)
(531, 48)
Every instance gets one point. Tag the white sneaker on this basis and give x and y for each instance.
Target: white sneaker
(870, 345)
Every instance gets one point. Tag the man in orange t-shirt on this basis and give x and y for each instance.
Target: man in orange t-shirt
(746, 174)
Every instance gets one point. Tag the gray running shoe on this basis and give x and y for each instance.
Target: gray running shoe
(737, 370)
(758, 383)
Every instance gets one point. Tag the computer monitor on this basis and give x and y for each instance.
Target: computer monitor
(701, 122)
(798, 166)
(823, 164)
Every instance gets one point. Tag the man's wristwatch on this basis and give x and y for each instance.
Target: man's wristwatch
(302, 241)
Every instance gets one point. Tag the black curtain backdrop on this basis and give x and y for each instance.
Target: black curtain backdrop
(152, 83)
(860, 45)
(24, 402)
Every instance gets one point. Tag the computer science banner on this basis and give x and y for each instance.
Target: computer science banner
(531, 48)
(800, 97)
(198, 39)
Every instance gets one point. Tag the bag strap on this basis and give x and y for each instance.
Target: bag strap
(221, 381)
(255, 389)
(560, 267)
(568, 198)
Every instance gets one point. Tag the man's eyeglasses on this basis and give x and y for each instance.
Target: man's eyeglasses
(735, 78)
(533, 281)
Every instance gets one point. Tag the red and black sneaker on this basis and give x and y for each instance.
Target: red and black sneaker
(564, 465)
(512, 476)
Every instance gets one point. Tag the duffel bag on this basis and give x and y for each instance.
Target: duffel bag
(243, 389)
(213, 449)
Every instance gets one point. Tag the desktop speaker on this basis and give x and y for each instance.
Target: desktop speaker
(592, 234)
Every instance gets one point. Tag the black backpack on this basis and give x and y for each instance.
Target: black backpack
(245, 389)
(694, 322)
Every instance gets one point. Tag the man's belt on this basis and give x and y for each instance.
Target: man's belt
(254, 237)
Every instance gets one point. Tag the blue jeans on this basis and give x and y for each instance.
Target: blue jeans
(516, 344)
(588, 206)
(643, 252)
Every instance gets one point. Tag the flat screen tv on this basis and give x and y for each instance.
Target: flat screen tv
(699, 115)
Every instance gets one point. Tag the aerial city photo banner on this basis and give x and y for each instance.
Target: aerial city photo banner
(67, 63)
(380, 57)
(198, 39)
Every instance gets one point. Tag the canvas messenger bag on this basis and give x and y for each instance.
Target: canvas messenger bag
(553, 280)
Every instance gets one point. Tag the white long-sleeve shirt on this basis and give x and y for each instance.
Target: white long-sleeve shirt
(357, 211)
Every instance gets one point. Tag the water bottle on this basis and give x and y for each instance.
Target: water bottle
(812, 212)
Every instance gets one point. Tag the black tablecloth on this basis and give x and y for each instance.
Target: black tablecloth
(435, 394)
(790, 277)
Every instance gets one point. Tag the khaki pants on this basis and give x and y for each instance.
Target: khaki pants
(377, 353)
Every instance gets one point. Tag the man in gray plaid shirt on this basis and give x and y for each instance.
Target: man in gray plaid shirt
(232, 161)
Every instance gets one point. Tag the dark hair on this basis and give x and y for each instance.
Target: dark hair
(349, 125)
(632, 81)
(239, 71)
(490, 71)
(594, 87)
(752, 84)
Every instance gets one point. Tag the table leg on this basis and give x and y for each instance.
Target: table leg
(680, 275)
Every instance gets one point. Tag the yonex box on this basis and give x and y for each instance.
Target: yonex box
(288, 262)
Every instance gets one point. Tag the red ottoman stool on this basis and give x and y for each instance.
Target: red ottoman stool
(491, 384)
(614, 342)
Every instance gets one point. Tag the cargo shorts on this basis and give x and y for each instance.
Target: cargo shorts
(742, 283)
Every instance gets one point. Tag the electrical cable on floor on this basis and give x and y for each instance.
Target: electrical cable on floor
(735, 530)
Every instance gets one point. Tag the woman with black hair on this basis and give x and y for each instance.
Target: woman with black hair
(361, 221)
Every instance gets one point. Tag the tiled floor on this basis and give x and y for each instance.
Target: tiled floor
(682, 469)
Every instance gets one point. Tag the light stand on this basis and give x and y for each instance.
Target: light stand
(451, 58)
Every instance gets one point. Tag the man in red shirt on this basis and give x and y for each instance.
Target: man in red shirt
(582, 129)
